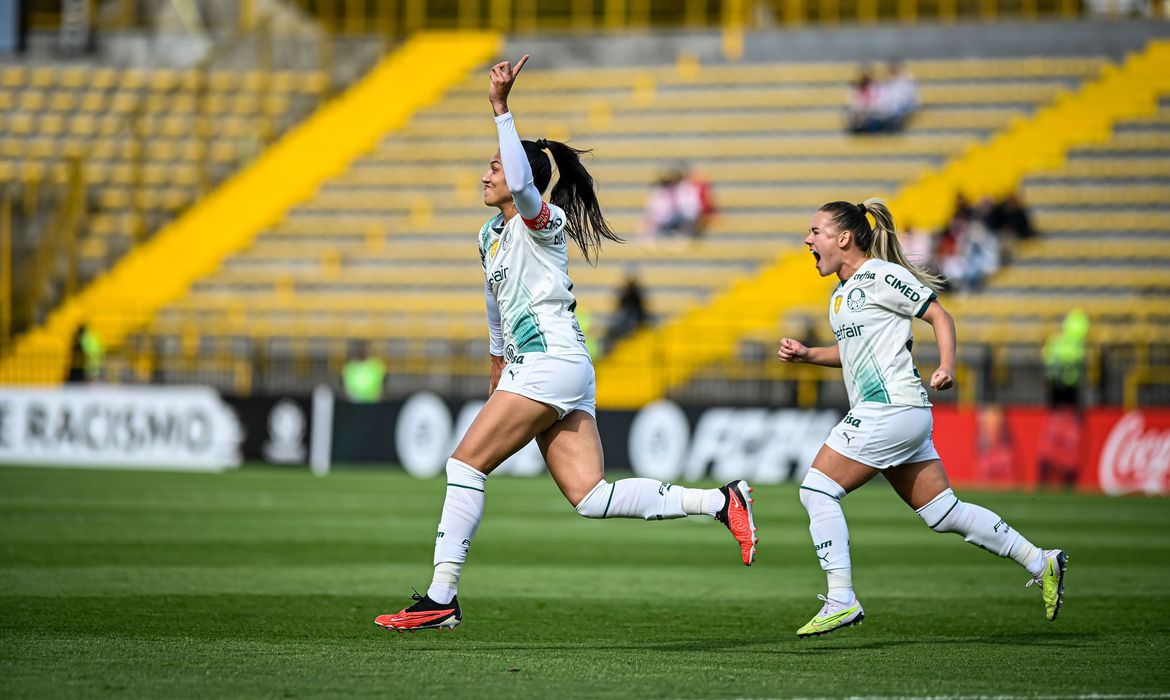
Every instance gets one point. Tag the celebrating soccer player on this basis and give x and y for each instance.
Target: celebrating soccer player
(888, 427)
(542, 384)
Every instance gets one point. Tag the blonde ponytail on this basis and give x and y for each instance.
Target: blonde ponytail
(885, 245)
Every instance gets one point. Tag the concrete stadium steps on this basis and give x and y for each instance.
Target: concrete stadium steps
(452, 177)
(1117, 249)
(386, 248)
(736, 197)
(938, 144)
(837, 73)
(393, 276)
(713, 122)
(211, 314)
(49, 114)
(313, 228)
(280, 252)
(1093, 167)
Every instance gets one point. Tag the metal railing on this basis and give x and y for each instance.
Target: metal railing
(256, 360)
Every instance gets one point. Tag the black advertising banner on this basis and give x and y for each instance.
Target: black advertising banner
(276, 429)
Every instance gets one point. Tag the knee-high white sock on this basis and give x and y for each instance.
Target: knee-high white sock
(648, 499)
(982, 528)
(821, 497)
(462, 511)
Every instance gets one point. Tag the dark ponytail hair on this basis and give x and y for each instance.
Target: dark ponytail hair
(574, 192)
(880, 240)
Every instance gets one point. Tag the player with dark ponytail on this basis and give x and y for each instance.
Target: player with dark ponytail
(542, 384)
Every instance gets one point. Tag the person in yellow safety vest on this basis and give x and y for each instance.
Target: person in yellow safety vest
(363, 376)
(87, 356)
(585, 320)
(1064, 358)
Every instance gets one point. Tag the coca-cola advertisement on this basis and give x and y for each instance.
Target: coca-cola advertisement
(1131, 451)
(1102, 449)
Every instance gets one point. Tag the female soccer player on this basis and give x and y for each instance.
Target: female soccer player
(542, 384)
(888, 426)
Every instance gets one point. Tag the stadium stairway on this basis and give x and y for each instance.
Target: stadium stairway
(751, 309)
(382, 251)
(227, 220)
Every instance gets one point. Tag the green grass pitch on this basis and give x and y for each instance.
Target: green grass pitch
(265, 583)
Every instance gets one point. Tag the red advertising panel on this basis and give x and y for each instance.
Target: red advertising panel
(1106, 449)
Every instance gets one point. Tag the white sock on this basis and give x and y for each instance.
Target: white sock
(821, 497)
(982, 528)
(649, 499)
(462, 511)
(702, 501)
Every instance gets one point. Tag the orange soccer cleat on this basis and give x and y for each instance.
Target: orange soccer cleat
(737, 516)
(425, 614)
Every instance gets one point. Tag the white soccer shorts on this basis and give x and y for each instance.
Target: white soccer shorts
(565, 382)
(883, 435)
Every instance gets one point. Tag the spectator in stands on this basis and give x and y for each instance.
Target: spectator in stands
(630, 314)
(897, 98)
(885, 107)
(863, 113)
(87, 356)
(968, 251)
(680, 205)
(1012, 222)
(363, 376)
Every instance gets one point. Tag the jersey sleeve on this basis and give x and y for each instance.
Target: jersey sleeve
(517, 171)
(899, 291)
(549, 225)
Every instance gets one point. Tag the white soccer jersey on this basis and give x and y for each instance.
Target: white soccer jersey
(871, 314)
(526, 264)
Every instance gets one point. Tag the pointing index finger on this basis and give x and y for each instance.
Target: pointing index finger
(519, 65)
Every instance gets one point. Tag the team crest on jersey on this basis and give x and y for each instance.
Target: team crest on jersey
(856, 299)
(501, 243)
(837, 304)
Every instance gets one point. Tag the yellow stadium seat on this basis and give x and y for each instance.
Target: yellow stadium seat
(43, 77)
(93, 101)
(103, 79)
(13, 76)
(63, 101)
(31, 100)
(162, 80)
(74, 77)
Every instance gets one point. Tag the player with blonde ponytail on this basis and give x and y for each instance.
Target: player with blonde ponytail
(889, 423)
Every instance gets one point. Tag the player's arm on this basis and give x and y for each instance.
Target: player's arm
(495, 337)
(797, 352)
(517, 171)
(944, 333)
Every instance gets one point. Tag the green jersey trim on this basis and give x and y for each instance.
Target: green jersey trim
(870, 384)
(926, 305)
(526, 329)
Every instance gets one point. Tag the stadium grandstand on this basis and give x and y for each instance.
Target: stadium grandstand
(117, 170)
